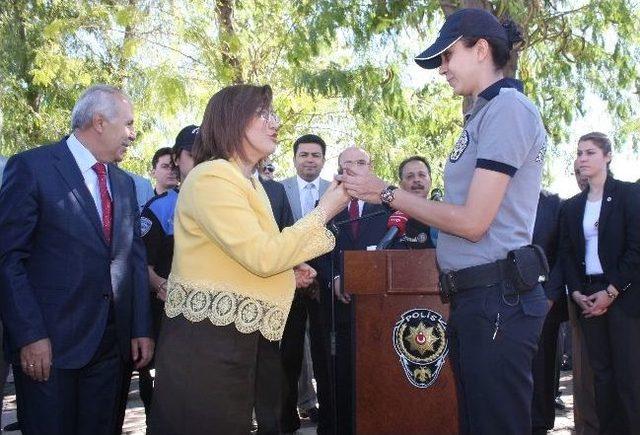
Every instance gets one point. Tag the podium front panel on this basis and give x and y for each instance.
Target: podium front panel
(403, 379)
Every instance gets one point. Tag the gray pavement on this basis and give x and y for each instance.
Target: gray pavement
(134, 423)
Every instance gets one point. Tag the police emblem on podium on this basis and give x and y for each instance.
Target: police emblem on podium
(420, 341)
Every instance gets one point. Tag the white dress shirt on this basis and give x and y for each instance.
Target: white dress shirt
(85, 160)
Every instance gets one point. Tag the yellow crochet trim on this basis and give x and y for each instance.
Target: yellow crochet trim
(316, 218)
(222, 306)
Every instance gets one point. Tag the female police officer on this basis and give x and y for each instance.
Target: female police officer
(492, 181)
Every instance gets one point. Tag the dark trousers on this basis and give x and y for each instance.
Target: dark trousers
(73, 401)
(145, 380)
(292, 348)
(345, 368)
(493, 376)
(4, 372)
(612, 345)
(207, 379)
(546, 367)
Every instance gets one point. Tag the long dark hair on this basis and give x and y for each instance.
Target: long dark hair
(225, 120)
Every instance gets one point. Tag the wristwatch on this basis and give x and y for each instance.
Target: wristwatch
(610, 293)
(388, 195)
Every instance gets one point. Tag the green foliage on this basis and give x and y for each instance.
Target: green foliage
(338, 67)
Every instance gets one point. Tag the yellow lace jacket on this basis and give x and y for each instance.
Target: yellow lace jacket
(231, 264)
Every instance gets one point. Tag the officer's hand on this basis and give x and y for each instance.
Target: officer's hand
(366, 187)
(35, 359)
(600, 302)
(141, 351)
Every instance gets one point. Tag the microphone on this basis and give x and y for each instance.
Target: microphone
(397, 224)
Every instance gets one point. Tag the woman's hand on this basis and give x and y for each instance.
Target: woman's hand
(600, 303)
(335, 199)
(583, 301)
(366, 187)
(304, 275)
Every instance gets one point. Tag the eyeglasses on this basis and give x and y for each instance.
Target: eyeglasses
(269, 117)
(359, 163)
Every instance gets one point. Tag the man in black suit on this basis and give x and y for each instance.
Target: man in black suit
(545, 364)
(351, 236)
(73, 281)
(269, 370)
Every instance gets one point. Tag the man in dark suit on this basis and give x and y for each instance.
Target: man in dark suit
(351, 236)
(269, 370)
(73, 279)
(545, 364)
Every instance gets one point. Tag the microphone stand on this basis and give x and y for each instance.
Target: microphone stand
(334, 227)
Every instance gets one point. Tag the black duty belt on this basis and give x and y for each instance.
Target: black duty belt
(484, 275)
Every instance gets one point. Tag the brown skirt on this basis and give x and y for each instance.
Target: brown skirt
(205, 379)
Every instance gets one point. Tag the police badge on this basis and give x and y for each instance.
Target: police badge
(461, 145)
(419, 340)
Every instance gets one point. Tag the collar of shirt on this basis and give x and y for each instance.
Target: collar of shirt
(493, 90)
(302, 183)
(82, 155)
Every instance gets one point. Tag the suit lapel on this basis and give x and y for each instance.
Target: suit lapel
(291, 186)
(323, 187)
(118, 194)
(344, 230)
(608, 202)
(578, 217)
(70, 172)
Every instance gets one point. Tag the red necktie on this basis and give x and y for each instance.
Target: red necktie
(101, 170)
(354, 213)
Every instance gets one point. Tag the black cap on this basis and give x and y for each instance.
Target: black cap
(474, 23)
(185, 139)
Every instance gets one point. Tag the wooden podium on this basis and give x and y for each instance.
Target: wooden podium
(403, 379)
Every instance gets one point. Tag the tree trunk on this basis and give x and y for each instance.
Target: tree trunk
(224, 12)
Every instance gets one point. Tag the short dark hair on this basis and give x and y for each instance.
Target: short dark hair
(309, 138)
(225, 120)
(413, 159)
(500, 49)
(166, 151)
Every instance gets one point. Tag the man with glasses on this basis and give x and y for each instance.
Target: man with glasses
(303, 190)
(267, 170)
(353, 235)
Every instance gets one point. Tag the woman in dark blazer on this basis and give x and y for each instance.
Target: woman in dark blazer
(601, 249)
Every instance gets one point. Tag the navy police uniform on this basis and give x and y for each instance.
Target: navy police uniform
(156, 223)
(493, 332)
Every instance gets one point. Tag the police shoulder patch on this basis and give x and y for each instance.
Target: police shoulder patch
(461, 145)
(145, 225)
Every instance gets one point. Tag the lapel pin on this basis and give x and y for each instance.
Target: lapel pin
(608, 199)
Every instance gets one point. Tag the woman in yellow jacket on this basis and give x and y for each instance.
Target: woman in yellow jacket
(232, 279)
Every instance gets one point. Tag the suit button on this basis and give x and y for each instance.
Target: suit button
(106, 296)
